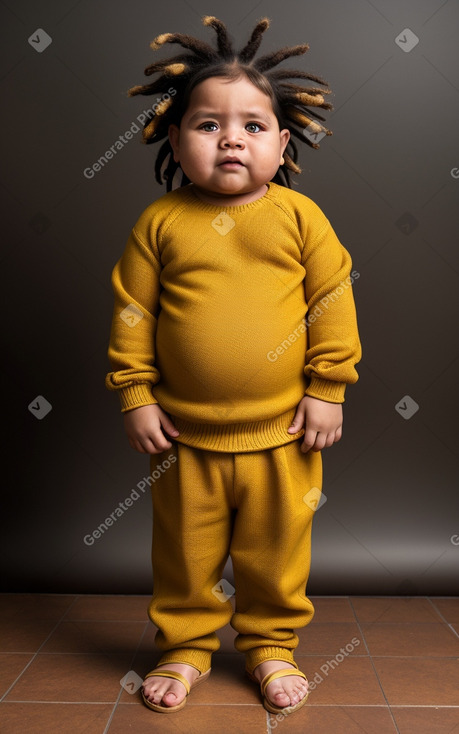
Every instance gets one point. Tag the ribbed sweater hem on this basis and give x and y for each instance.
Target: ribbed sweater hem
(237, 437)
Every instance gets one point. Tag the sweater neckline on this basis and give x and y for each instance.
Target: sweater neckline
(271, 193)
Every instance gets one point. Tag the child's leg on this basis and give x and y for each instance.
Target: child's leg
(271, 549)
(191, 538)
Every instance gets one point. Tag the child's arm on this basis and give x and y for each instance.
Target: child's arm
(333, 347)
(131, 352)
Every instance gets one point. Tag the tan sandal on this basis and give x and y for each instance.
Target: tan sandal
(269, 706)
(161, 672)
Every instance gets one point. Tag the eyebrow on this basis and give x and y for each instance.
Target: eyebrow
(252, 114)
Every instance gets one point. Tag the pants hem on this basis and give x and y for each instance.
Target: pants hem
(259, 655)
(199, 659)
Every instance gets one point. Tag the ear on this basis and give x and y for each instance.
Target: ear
(174, 138)
(284, 138)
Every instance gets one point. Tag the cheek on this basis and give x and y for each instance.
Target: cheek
(196, 150)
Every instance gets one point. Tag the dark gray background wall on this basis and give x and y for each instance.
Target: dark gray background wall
(388, 180)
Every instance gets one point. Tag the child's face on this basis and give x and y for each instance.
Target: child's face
(234, 119)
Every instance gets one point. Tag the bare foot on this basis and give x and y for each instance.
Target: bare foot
(282, 692)
(167, 691)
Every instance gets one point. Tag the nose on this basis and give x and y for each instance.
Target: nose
(231, 139)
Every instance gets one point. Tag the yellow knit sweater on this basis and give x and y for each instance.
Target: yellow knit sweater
(228, 316)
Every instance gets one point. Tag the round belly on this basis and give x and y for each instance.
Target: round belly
(207, 355)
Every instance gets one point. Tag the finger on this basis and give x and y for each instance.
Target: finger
(309, 439)
(320, 442)
(145, 445)
(158, 443)
(297, 422)
(168, 426)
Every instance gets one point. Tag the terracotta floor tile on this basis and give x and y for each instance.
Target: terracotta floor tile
(193, 719)
(109, 637)
(390, 609)
(351, 682)
(148, 641)
(434, 640)
(66, 678)
(34, 606)
(36, 718)
(24, 635)
(11, 665)
(114, 607)
(330, 719)
(74, 681)
(329, 638)
(448, 607)
(419, 681)
(332, 609)
(425, 720)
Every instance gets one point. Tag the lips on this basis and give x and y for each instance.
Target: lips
(231, 160)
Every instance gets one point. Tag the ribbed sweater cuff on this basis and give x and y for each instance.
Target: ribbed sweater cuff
(331, 392)
(134, 396)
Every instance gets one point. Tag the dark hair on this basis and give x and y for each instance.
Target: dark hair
(290, 102)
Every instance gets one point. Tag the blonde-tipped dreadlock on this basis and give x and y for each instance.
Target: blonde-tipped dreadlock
(291, 102)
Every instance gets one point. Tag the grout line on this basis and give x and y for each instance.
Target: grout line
(437, 611)
(110, 718)
(372, 663)
(58, 703)
(34, 655)
(189, 703)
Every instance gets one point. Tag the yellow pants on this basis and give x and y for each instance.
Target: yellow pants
(253, 506)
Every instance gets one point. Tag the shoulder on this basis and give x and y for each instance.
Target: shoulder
(308, 216)
(161, 211)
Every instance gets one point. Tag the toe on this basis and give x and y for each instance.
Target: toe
(288, 693)
(281, 698)
(160, 697)
(170, 699)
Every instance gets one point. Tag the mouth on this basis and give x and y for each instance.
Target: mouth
(231, 163)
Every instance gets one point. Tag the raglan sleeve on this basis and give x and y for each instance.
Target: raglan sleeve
(333, 343)
(136, 286)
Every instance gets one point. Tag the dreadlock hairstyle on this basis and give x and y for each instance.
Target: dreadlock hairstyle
(291, 102)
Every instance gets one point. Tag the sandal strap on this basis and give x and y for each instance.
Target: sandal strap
(170, 674)
(279, 674)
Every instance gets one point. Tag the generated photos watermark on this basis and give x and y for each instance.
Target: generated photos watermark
(323, 305)
(40, 407)
(223, 590)
(318, 678)
(407, 407)
(314, 499)
(124, 506)
(90, 171)
(131, 682)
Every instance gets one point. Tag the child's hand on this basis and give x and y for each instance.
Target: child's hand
(322, 422)
(143, 427)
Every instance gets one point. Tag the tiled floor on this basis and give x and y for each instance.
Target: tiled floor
(377, 665)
